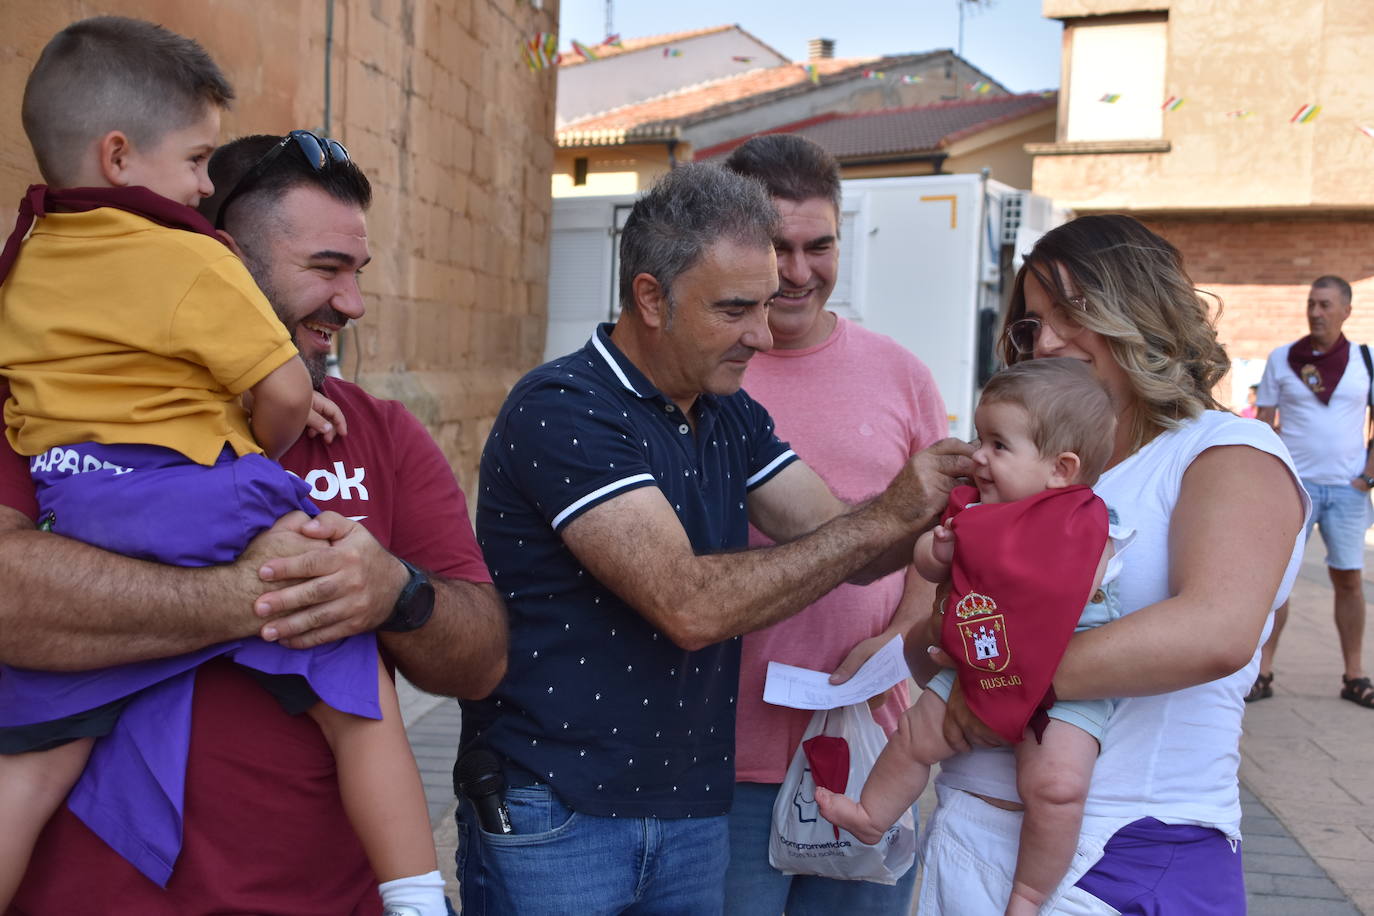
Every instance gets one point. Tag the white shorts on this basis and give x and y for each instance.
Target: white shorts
(969, 854)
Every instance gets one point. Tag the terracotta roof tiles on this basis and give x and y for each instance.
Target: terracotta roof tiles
(659, 117)
(573, 58)
(893, 132)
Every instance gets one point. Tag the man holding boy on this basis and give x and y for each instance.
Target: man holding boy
(1315, 392)
(616, 490)
(857, 406)
(264, 829)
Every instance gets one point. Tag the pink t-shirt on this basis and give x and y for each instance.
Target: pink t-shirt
(855, 408)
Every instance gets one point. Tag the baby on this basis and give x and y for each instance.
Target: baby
(1033, 549)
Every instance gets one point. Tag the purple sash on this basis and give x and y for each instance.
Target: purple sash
(169, 509)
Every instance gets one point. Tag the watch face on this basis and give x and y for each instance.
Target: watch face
(414, 605)
(421, 604)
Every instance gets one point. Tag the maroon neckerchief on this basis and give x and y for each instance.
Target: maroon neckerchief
(40, 200)
(1320, 372)
(1021, 575)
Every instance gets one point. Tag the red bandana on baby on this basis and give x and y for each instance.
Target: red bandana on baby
(1022, 573)
(1320, 372)
(40, 200)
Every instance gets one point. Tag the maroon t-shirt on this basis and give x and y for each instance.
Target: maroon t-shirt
(265, 831)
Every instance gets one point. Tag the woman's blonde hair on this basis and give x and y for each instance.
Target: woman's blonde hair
(1128, 284)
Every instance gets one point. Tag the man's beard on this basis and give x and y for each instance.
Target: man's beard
(316, 364)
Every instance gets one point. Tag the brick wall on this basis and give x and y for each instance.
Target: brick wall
(1262, 270)
(433, 102)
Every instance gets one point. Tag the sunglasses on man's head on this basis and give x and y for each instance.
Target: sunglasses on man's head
(319, 152)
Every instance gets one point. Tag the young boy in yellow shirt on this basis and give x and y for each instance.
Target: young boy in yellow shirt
(132, 336)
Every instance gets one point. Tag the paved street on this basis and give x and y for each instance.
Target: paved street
(1306, 756)
(1307, 783)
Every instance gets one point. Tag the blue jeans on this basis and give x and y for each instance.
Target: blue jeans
(1341, 512)
(755, 888)
(559, 862)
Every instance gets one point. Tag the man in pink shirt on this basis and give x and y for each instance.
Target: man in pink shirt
(855, 406)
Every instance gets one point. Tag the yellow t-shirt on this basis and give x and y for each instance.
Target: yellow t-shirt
(114, 329)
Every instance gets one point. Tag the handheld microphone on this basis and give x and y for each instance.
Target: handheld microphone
(477, 775)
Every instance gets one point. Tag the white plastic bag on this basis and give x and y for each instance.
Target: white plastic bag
(801, 841)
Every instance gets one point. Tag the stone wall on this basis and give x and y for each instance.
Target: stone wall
(434, 103)
(1262, 270)
(1265, 57)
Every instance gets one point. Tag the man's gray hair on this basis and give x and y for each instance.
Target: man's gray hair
(687, 211)
(1331, 281)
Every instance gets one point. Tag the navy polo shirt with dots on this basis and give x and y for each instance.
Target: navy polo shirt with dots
(596, 702)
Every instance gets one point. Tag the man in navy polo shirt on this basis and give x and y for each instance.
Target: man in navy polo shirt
(616, 490)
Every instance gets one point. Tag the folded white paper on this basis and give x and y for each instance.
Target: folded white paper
(802, 688)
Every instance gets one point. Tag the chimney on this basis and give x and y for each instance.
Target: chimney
(820, 48)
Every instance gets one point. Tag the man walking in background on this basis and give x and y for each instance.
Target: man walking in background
(1314, 392)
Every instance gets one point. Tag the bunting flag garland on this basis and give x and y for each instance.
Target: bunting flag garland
(1239, 113)
(813, 74)
(742, 60)
(541, 51)
(982, 87)
(1111, 98)
(1366, 130)
(582, 49)
(672, 52)
(1172, 103)
(874, 75)
(611, 41)
(908, 78)
(1304, 114)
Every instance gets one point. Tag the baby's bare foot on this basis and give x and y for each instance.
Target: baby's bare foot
(847, 814)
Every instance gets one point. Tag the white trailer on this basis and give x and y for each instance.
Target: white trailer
(927, 261)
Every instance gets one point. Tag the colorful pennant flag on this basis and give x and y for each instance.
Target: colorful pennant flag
(672, 52)
(611, 41)
(1366, 130)
(813, 74)
(541, 51)
(874, 75)
(982, 87)
(908, 78)
(1172, 103)
(582, 49)
(742, 60)
(1239, 113)
(1305, 113)
(1111, 98)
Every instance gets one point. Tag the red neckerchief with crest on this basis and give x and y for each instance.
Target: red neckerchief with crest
(41, 200)
(1021, 575)
(1320, 371)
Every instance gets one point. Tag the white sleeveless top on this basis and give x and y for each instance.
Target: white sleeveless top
(1175, 756)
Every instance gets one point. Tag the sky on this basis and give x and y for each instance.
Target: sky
(1009, 41)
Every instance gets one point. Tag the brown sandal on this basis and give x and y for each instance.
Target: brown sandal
(1262, 689)
(1358, 690)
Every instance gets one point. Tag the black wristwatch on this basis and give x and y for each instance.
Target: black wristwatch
(1368, 480)
(413, 605)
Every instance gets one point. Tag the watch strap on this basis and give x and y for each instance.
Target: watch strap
(413, 607)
